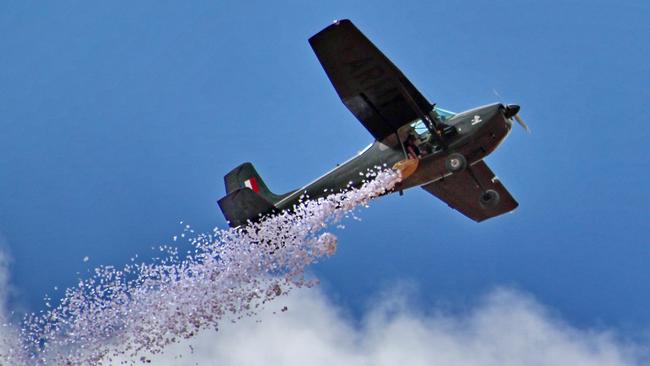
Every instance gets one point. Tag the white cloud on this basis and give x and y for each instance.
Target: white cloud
(507, 328)
(9, 346)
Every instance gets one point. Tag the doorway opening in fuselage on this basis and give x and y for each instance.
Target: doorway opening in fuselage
(417, 139)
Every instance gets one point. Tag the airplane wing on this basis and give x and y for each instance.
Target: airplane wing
(368, 83)
(462, 193)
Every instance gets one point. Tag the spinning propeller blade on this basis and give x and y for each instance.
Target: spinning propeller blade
(522, 123)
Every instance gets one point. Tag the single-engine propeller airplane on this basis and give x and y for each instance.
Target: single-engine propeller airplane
(433, 148)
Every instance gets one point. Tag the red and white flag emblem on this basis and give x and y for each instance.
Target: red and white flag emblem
(252, 184)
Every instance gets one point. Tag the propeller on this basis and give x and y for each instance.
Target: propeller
(512, 111)
(522, 123)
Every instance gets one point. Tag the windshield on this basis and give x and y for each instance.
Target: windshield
(444, 114)
(421, 129)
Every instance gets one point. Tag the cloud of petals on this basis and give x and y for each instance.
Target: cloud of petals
(145, 307)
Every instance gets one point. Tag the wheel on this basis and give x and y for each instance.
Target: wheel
(489, 198)
(455, 163)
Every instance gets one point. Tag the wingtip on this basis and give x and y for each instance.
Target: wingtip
(339, 21)
(335, 23)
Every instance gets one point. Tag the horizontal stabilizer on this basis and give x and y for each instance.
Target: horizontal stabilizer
(242, 205)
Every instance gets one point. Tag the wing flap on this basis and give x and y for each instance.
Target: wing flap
(367, 82)
(462, 193)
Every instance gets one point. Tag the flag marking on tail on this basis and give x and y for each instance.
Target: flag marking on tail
(252, 184)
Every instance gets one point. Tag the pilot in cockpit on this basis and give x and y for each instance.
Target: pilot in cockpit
(412, 149)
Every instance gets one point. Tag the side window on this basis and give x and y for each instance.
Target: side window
(420, 129)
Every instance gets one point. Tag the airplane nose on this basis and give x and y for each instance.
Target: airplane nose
(508, 122)
(511, 110)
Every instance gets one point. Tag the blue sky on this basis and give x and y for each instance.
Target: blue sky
(118, 120)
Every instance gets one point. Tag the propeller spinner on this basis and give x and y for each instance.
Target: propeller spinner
(511, 111)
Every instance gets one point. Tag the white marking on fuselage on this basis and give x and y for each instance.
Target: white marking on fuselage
(477, 119)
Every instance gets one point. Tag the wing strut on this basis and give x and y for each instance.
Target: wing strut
(426, 119)
(476, 180)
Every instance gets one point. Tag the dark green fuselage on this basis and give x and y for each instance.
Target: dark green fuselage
(474, 133)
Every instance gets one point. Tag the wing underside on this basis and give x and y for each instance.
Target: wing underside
(461, 192)
(367, 82)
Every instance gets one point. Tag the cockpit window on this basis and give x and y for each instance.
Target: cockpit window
(419, 130)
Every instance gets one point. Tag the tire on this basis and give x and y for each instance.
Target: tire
(455, 163)
(489, 199)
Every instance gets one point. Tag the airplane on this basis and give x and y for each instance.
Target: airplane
(433, 148)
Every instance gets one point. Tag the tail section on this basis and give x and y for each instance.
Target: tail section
(243, 205)
(247, 196)
(245, 176)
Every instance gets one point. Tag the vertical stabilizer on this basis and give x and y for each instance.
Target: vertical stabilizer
(245, 176)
